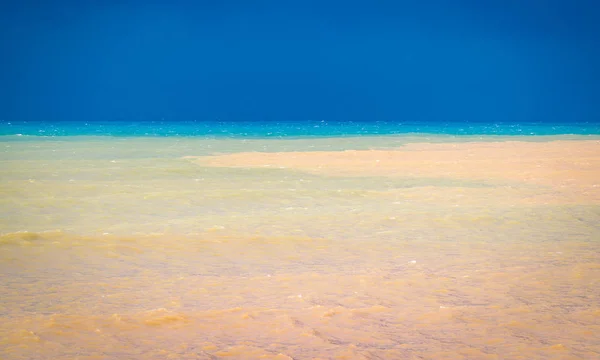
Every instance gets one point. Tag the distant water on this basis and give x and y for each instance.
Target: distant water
(299, 241)
(320, 128)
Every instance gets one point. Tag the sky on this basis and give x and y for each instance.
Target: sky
(394, 61)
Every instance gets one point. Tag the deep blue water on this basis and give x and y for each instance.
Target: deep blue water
(288, 129)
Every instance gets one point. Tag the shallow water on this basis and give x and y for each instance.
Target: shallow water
(407, 248)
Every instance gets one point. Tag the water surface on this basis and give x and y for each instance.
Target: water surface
(402, 246)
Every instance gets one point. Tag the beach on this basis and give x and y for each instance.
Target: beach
(374, 247)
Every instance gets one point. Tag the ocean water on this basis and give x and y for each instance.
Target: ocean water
(289, 129)
(299, 241)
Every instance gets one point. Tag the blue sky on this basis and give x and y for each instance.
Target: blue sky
(428, 61)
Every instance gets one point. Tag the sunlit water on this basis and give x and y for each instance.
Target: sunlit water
(410, 247)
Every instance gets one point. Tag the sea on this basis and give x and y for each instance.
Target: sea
(299, 240)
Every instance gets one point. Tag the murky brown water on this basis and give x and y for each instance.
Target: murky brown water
(371, 248)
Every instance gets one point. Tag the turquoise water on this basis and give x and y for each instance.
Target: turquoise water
(320, 128)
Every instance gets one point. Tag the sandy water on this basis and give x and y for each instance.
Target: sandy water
(350, 248)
